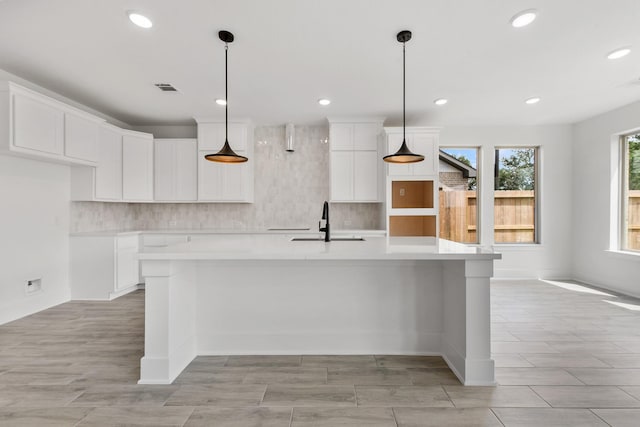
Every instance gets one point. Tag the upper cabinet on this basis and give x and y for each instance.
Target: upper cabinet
(137, 166)
(420, 140)
(81, 137)
(176, 166)
(225, 182)
(356, 160)
(40, 127)
(124, 170)
(108, 173)
(37, 125)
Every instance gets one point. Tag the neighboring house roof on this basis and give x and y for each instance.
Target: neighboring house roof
(467, 171)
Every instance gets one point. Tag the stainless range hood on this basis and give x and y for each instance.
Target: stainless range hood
(289, 136)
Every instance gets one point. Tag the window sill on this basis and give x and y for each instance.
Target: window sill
(626, 255)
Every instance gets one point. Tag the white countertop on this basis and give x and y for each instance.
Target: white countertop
(245, 246)
(195, 231)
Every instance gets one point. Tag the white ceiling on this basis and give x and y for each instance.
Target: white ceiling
(290, 53)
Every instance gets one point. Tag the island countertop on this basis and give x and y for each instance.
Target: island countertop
(281, 247)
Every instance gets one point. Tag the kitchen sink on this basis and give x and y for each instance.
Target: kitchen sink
(333, 239)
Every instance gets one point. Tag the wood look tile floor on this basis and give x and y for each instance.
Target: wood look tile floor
(565, 356)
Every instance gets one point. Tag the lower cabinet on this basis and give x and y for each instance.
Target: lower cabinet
(104, 267)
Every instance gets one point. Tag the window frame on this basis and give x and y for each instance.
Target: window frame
(537, 180)
(623, 194)
(479, 181)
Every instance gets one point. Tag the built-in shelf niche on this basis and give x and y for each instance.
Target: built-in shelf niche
(411, 194)
(414, 225)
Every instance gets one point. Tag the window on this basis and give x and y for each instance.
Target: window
(630, 230)
(515, 196)
(459, 194)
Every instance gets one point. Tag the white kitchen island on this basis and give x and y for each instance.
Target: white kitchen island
(265, 294)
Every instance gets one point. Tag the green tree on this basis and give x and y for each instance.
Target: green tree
(517, 172)
(634, 162)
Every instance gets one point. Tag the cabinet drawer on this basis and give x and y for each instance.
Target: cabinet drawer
(156, 240)
(125, 242)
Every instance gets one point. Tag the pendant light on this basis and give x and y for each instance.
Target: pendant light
(226, 154)
(403, 155)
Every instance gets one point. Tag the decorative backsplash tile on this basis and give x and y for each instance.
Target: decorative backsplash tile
(289, 191)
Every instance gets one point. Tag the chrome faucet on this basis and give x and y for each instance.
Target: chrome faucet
(325, 220)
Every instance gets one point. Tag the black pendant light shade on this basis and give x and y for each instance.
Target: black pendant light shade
(403, 155)
(226, 154)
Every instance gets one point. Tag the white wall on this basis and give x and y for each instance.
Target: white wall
(34, 230)
(552, 257)
(34, 225)
(592, 179)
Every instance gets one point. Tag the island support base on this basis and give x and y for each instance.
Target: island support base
(423, 307)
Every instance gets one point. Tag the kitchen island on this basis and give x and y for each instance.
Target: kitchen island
(266, 294)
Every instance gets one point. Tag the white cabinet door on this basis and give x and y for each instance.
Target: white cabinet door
(127, 265)
(37, 125)
(108, 175)
(365, 176)
(341, 136)
(222, 182)
(365, 136)
(127, 268)
(137, 167)
(233, 180)
(211, 136)
(342, 174)
(80, 137)
(394, 142)
(426, 145)
(175, 169)
(209, 179)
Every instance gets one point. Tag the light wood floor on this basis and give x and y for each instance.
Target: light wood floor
(565, 357)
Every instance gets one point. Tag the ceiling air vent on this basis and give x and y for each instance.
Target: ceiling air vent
(166, 87)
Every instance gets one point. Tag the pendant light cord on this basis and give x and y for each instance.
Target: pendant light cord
(226, 95)
(404, 96)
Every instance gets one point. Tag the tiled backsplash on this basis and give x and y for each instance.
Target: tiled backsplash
(289, 191)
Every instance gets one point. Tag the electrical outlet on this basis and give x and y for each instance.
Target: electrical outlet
(347, 222)
(402, 191)
(32, 286)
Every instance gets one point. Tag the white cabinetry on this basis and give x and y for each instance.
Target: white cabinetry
(356, 161)
(420, 140)
(34, 125)
(412, 190)
(137, 166)
(225, 182)
(104, 267)
(124, 171)
(108, 173)
(81, 137)
(176, 169)
(37, 125)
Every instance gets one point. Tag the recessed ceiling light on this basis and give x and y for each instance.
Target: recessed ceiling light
(324, 102)
(221, 101)
(440, 101)
(524, 18)
(619, 53)
(140, 20)
(532, 101)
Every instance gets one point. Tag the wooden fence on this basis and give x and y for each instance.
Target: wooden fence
(514, 217)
